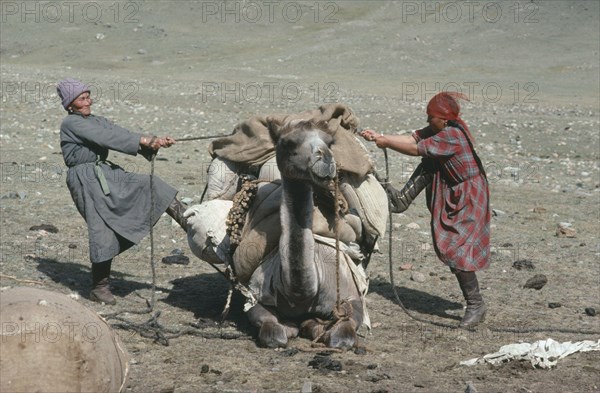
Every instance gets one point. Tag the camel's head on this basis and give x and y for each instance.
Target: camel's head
(303, 151)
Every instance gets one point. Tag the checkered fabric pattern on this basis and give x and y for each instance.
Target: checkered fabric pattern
(460, 209)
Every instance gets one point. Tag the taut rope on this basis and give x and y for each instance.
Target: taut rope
(152, 206)
(197, 138)
(337, 240)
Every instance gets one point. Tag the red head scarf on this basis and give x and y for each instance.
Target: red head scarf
(445, 106)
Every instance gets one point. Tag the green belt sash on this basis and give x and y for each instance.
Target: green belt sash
(101, 177)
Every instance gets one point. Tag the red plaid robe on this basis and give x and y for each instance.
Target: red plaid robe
(460, 209)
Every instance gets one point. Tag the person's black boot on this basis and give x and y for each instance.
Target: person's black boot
(176, 210)
(100, 283)
(476, 309)
(401, 199)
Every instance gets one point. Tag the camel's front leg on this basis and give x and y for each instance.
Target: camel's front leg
(342, 333)
(271, 333)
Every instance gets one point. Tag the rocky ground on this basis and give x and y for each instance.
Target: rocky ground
(192, 69)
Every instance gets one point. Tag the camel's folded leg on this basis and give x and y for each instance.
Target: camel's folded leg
(341, 334)
(271, 333)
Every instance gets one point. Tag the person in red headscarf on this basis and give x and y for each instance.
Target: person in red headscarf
(459, 197)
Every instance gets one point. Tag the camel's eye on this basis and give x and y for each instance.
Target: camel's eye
(289, 146)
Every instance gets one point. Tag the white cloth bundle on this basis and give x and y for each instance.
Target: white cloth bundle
(542, 354)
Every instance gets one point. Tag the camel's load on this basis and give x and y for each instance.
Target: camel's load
(238, 223)
(52, 343)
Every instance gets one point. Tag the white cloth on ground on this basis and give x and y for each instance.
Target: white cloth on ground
(541, 354)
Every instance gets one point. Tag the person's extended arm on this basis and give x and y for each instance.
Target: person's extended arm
(405, 144)
(104, 133)
(154, 143)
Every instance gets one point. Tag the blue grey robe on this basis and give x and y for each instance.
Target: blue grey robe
(120, 219)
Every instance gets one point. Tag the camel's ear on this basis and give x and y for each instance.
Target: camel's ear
(275, 126)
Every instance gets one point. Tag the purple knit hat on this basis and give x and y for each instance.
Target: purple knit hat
(69, 89)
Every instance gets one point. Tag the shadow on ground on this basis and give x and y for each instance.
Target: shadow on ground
(205, 295)
(414, 300)
(78, 278)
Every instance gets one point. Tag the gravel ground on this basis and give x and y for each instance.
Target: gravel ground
(191, 69)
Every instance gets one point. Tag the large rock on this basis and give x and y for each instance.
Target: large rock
(52, 343)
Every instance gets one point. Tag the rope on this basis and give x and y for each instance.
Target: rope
(152, 328)
(198, 138)
(22, 281)
(337, 243)
(446, 325)
(152, 206)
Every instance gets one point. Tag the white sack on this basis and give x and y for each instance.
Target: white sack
(221, 179)
(207, 230)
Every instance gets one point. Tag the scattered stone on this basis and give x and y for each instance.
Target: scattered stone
(539, 209)
(100, 36)
(523, 390)
(536, 282)
(590, 311)
(44, 227)
(470, 388)
(176, 260)
(413, 225)
(378, 377)
(290, 352)
(324, 362)
(418, 277)
(406, 266)
(554, 305)
(307, 387)
(565, 229)
(523, 264)
(497, 212)
(204, 369)
(141, 52)
(14, 195)
(361, 350)
(187, 200)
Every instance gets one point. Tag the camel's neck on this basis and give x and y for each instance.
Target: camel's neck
(297, 245)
